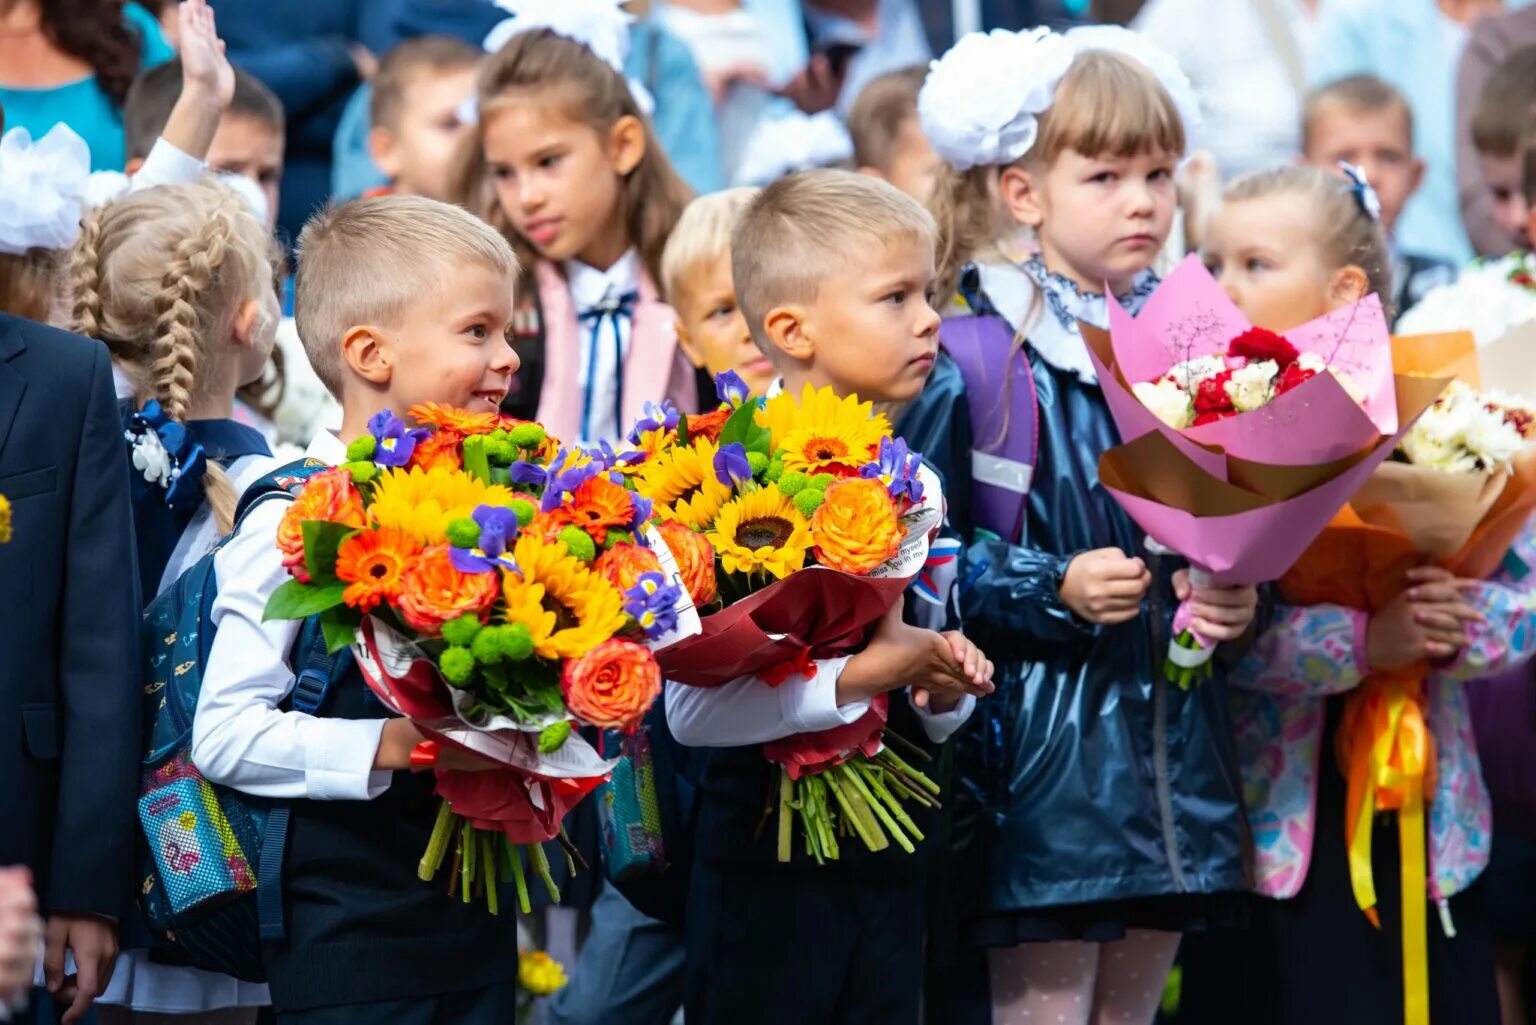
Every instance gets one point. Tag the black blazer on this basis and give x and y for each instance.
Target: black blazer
(69, 616)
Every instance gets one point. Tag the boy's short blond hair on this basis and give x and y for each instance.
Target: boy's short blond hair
(812, 224)
(365, 261)
(1362, 93)
(424, 55)
(882, 107)
(702, 235)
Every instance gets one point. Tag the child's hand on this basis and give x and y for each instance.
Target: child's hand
(400, 738)
(204, 67)
(1105, 586)
(899, 655)
(1220, 613)
(21, 934)
(971, 660)
(1427, 621)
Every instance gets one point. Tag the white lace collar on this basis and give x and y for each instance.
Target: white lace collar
(1011, 290)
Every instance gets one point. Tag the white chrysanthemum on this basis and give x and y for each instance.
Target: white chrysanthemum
(1482, 300)
(1167, 401)
(1253, 385)
(1491, 438)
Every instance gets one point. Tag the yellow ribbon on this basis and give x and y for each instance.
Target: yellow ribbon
(1387, 755)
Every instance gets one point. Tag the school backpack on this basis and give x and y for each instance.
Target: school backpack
(1005, 417)
(212, 880)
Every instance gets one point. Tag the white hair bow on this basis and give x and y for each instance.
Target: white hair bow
(981, 102)
(602, 26)
(792, 143)
(42, 189)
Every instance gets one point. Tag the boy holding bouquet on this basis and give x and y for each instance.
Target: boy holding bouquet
(400, 301)
(831, 270)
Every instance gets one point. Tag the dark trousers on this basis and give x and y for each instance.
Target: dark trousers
(812, 947)
(494, 1006)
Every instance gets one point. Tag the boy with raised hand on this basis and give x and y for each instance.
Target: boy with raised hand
(400, 301)
(831, 270)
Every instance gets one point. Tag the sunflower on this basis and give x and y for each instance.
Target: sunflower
(454, 420)
(681, 481)
(567, 608)
(761, 531)
(822, 433)
(371, 563)
(423, 502)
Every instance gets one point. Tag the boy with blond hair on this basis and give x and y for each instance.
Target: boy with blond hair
(400, 301)
(696, 279)
(415, 113)
(888, 140)
(831, 270)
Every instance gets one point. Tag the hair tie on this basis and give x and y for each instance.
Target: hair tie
(167, 453)
(1361, 189)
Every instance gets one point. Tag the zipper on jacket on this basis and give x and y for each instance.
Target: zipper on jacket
(1160, 738)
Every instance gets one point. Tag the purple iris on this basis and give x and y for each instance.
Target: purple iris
(731, 389)
(610, 459)
(896, 469)
(653, 603)
(563, 479)
(656, 418)
(395, 442)
(642, 507)
(731, 466)
(498, 526)
(524, 472)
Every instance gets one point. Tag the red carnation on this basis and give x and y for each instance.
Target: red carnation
(1291, 376)
(1211, 397)
(1259, 343)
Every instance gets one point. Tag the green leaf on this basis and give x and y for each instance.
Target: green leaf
(742, 426)
(682, 428)
(294, 600)
(476, 459)
(321, 539)
(340, 629)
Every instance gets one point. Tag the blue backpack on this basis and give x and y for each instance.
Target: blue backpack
(212, 881)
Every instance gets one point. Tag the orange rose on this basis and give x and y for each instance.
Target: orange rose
(327, 496)
(440, 448)
(624, 563)
(613, 685)
(695, 560)
(432, 591)
(708, 425)
(856, 528)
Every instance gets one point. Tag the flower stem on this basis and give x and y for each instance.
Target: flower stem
(872, 776)
(467, 879)
(906, 770)
(488, 856)
(520, 880)
(856, 779)
(437, 847)
(540, 862)
(786, 815)
(871, 835)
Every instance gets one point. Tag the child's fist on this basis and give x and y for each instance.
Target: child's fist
(1220, 613)
(1105, 586)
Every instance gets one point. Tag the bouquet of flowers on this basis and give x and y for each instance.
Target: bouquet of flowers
(5, 520)
(1240, 442)
(497, 589)
(1457, 495)
(797, 523)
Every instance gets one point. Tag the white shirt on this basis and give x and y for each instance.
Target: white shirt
(240, 738)
(602, 370)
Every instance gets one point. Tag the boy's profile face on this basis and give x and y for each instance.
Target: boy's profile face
(1378, 142)
(251, 149)
(451, 344)
(418, 152)
(914, 165)
(1503, 176)
(712, 330)
(871, 330)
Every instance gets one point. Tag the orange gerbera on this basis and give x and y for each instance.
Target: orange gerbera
(328, 496)
(433, 591)
(440, 448)
(709, 425)
(598, 506)
(371, 563)
(457, 421)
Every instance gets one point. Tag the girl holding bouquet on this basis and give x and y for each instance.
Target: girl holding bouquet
(1108, 805)
(1287, 246)
(564, 163)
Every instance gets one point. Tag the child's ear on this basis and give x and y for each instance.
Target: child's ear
(626, 144)
(381, 147)
(685, 343)
(366, 352)
(1021, 196)
(1349, 284)
(1415, 175)
(785, 327)
(244, 325)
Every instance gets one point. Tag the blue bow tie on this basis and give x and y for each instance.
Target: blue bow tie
(609, 310)
(618, 306)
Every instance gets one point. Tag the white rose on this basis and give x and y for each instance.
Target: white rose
(1253, 385)
(1191, 372)
(1168, 402)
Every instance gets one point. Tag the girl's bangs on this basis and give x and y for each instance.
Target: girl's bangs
(1107, 104)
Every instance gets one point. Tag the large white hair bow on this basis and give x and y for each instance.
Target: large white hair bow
(794, 142)
(981, 102)
(42, 189)
(602, 26)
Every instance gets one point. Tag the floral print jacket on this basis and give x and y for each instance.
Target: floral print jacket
(1308, 653)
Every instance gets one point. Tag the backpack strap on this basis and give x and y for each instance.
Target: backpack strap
(287, 480)
(1005, 418)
